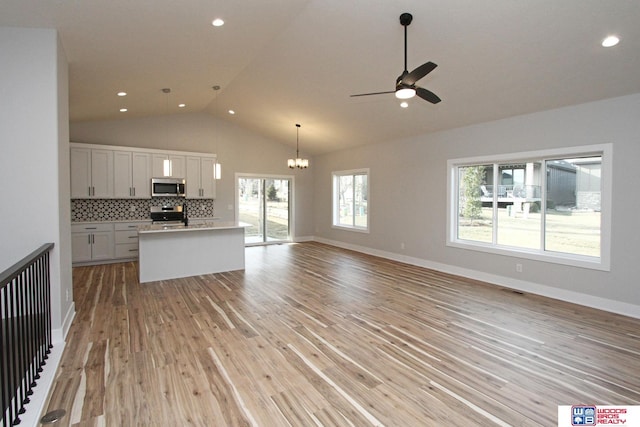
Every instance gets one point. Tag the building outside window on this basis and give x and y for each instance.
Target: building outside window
(549, 205)
(351, 199)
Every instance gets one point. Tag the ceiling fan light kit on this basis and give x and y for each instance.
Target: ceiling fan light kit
(406, 83)
(405, 93)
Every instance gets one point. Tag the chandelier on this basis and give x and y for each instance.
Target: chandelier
(298, 162)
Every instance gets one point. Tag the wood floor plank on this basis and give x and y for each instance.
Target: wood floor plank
(310, 334)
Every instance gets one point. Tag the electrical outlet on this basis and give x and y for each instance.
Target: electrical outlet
(518, 268)
(402, 245)
(67, 295)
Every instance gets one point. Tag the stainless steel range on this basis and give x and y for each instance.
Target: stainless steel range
(168, 214)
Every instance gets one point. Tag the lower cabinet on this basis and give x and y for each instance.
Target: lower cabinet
(95, 243)
(126, 240)
(91, 242)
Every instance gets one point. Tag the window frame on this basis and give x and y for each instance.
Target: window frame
(335, 199)
(597, 263)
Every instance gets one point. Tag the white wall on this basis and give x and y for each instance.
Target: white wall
(238, 151)
(33, 138)
(408, 199)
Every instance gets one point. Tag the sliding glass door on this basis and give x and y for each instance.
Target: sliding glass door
(264, 202)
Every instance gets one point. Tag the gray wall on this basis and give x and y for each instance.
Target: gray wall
(35, 158)
(408, 199)
(238, 151)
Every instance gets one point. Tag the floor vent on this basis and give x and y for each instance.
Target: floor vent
(53, 416)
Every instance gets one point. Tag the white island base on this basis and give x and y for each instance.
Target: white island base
(171, 252)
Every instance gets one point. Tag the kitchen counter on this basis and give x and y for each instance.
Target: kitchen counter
(174, 250)
(208, 225)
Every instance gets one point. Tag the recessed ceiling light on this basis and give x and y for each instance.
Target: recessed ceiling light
(610, 41)
(182, 105)
(217, 22)
(404, 104)
(123, 110)
(122, 93)
(232, 112)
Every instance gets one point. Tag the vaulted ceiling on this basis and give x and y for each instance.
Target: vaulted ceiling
(281, 62)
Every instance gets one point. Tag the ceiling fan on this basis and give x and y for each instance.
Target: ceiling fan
(406, 83)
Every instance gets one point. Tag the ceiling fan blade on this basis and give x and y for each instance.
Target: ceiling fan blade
(427, 95)
(418, 73)
(373, 93)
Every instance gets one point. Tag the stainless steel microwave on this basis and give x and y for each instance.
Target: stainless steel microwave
(168, 187)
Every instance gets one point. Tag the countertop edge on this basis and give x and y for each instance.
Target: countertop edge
(220, 225)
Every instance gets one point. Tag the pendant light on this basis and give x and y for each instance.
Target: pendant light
(298, 162)
(217, 168)
(167, 164)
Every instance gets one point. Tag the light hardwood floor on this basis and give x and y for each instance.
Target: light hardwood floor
(309, 334)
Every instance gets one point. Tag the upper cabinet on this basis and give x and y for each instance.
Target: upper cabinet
(168, 165)
(132, 175)
(115, 172)
(91, 173)
(201, 183)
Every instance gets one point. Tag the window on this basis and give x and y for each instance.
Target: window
(550, 205)
(351, 199)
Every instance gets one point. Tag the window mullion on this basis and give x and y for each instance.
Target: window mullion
(353, 200)
(543, 206)
(494, 211)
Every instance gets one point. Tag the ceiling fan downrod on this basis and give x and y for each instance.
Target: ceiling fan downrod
(405, 21)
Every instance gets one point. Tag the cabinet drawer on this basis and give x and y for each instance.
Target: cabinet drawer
(122, 226)
(91, 227)
(128, 236)
(128, 250)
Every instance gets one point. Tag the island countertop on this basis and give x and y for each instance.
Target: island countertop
(180, 228)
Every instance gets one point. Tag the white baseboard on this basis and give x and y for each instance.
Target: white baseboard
(303, 239)
(41, 391)
(586, 300)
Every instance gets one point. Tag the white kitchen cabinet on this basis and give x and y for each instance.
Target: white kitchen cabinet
(200, 177)
(174, 166)
(91, 173)
(99, 242)
(132, 175)
(91, 242)
(126, 239)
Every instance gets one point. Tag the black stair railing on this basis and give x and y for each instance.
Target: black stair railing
(25, 335)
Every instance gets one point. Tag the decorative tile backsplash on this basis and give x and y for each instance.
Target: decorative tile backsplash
(83, 210)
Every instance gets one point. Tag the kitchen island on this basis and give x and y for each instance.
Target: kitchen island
(174, 251)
